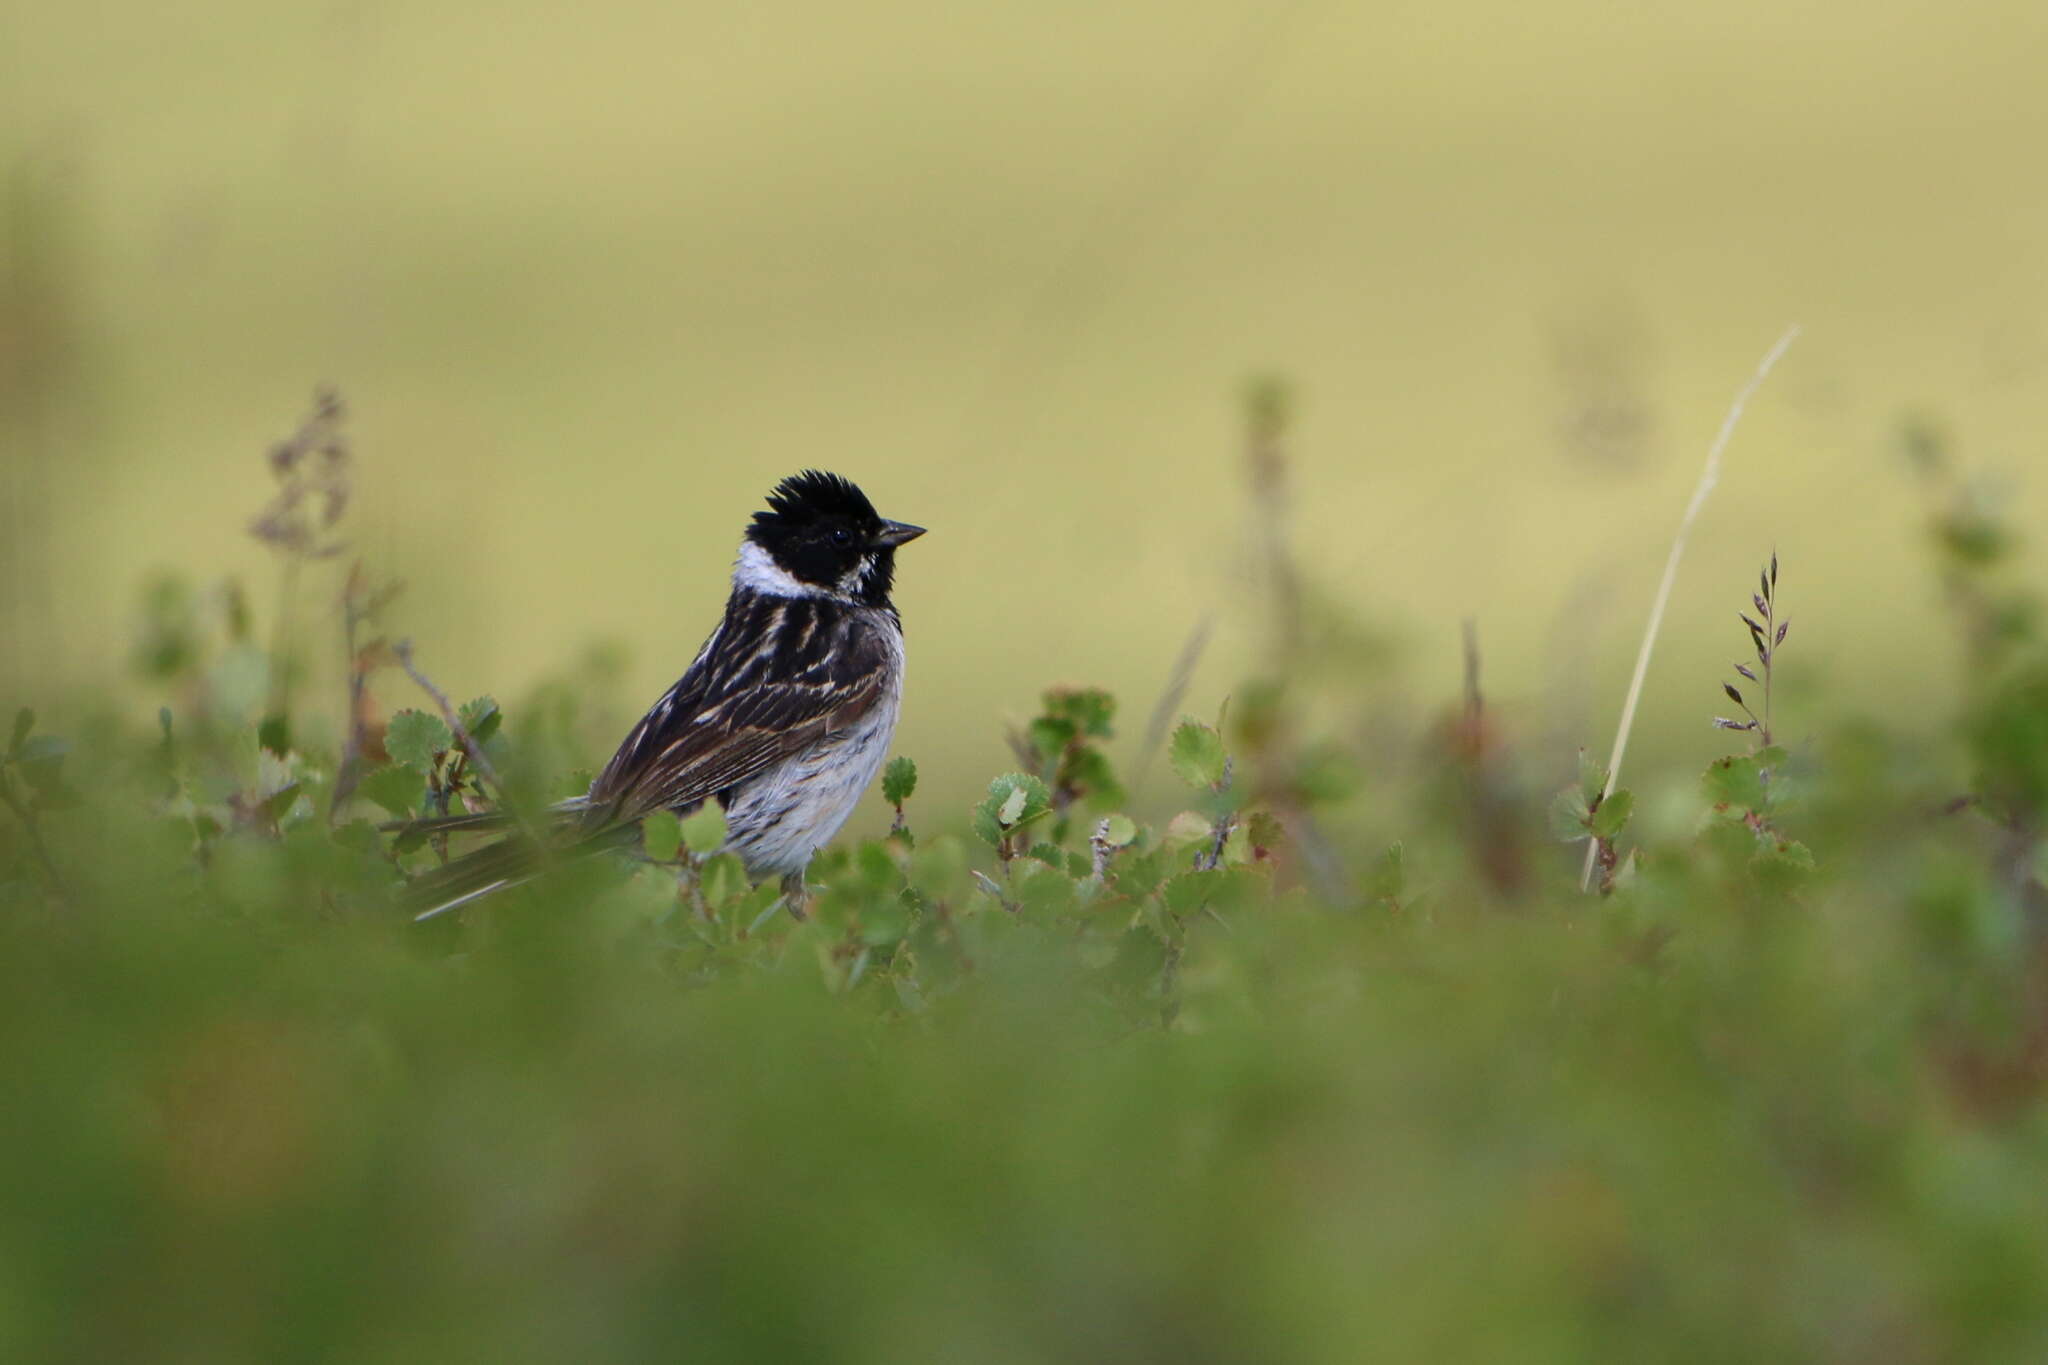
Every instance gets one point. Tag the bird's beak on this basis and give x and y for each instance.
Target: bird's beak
(894, 533)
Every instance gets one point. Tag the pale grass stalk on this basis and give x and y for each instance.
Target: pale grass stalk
(1709, 476)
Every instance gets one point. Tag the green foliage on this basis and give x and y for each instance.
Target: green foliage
(1270, 1075)
(1737, 782)
(417, 739)
(1196, 752)
(1579, 812)
(1063, 743)
(704, 829)
(481, 717)
(2007, 731)
(1610, 817)
(1014, 801)
(661, 836)
(645, 1051)
(24, 723)
(899, 780)
(398, 790)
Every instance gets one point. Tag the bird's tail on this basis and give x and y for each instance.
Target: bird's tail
(519, 857)
(474, 875)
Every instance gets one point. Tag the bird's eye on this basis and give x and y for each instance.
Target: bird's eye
(842, 537)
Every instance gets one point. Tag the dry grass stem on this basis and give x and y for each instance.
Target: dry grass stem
(1709, 476)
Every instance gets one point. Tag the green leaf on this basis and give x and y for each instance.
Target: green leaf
(1612, 816)
(1186, 829)
(939, 868)
(1197, 754)
(1050, 735)
(1325, 773)
(899, 780)
(481, 717)
(397, 789)
(704, 830)
(357, 836)
(1629, 873)
(240, 680)
(1592, 778)
(1052, 855)
(278, 803)
(24, 721)
(1040, 888)
(1122, 831)
(877, 867)
(722, 878)
(2008, 734)
(661, 834)
(1266, 829)
(1013, 799)
(1735, 782)
(1021, 798)
(1088, 710)
(1782, 866)
(414, 738)
(1190, 891)
(572, 784)
(1214, 889)
(274, 733)
(1090, 772)
(1388, 877)
(1137, 874)
(883, 921)
(1568, 816)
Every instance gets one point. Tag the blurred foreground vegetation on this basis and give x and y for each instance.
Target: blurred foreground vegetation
(1272, 1047)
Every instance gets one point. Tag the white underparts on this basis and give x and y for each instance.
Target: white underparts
(777, 820)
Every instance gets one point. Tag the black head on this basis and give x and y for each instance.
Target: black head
(823, 532)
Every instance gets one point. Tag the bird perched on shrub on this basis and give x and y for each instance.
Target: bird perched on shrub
(783, 718)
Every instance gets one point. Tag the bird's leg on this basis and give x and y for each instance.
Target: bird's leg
(794, 894)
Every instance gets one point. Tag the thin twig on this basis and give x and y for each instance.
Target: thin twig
(1100, 851)
(1220, 835)
(1709, 476)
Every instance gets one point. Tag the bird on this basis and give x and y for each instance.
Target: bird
(784, 717)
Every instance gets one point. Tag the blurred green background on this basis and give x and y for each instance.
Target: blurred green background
(592, 278)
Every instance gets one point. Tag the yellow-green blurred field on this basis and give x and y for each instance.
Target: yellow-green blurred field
(592, 278)
(1316, 1048)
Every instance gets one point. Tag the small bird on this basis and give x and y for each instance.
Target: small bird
(783, 718)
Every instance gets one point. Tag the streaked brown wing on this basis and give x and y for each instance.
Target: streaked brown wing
(779, 675)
